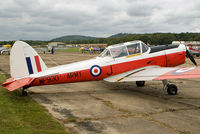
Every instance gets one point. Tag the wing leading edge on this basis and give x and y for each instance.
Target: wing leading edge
(157, 73)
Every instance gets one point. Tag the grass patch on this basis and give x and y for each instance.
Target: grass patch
(21, 115)
(184, 132)
(71, 49)
(71, 119)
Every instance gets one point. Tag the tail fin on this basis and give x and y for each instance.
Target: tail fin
(24, 61)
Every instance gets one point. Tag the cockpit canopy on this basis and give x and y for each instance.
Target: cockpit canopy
(125, 49)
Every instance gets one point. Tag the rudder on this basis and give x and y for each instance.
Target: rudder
(24, 61)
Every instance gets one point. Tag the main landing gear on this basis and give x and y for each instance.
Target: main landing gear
(24, 93)
(171, 88)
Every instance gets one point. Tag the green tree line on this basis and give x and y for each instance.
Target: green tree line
(152, 38)
(31, 42)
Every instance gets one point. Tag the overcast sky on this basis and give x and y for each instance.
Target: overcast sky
(47, 19)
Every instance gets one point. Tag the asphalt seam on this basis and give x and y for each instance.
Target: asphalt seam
(160, 97)
(127, 113)
(145, 116)
(165, 98)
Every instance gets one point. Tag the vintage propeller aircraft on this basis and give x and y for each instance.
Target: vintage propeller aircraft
(129, 61)
(194, 49)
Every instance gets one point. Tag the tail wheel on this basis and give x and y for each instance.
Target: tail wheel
(172, 89)
(24, 92)
(140, 83)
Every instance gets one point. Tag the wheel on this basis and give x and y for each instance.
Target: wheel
(24, 93)
(140, 83)
(2, 52)
(172, 89)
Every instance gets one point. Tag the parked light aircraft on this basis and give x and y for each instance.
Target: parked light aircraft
(129, 61)
(194, 49)
(5, 49)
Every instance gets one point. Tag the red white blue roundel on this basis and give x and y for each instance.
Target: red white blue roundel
(183, 70)
(95, 70)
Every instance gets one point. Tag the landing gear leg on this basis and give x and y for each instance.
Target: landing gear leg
(140, 83)
(24, 93)
(171, 88)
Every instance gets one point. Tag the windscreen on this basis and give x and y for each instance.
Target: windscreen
(105, 53)
(119, 51)
(134, 48)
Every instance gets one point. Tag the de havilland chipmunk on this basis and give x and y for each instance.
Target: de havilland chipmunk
(124, 62)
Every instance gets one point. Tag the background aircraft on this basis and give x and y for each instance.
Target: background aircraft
(129, 61)
(5, 49)
(194, 49)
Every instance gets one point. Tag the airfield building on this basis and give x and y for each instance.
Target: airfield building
(187, 42)
(87, 45)
(56, 44)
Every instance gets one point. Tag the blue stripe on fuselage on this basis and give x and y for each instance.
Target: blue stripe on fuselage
(28, 62)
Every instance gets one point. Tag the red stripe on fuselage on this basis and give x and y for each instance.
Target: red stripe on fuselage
(37, 61)
(194, 50)
(110, 70)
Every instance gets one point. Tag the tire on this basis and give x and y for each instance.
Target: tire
(172, 89)
(24, 93)
(140, 83)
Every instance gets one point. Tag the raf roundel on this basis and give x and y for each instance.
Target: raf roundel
(95, 70)
(183, 70)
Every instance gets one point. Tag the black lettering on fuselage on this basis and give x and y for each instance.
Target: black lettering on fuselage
(49, 78)
(53, 78)
(111, 71)
(73, 75)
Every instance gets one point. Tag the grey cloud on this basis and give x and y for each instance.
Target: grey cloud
(46, 19)
(140, 9)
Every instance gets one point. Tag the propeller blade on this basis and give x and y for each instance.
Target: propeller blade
(191, 57)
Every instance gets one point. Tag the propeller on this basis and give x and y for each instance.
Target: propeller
(190, 57)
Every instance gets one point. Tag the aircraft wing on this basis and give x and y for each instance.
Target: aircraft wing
(156, 73)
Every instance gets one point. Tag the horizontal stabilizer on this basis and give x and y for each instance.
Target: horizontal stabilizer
(12, 84)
